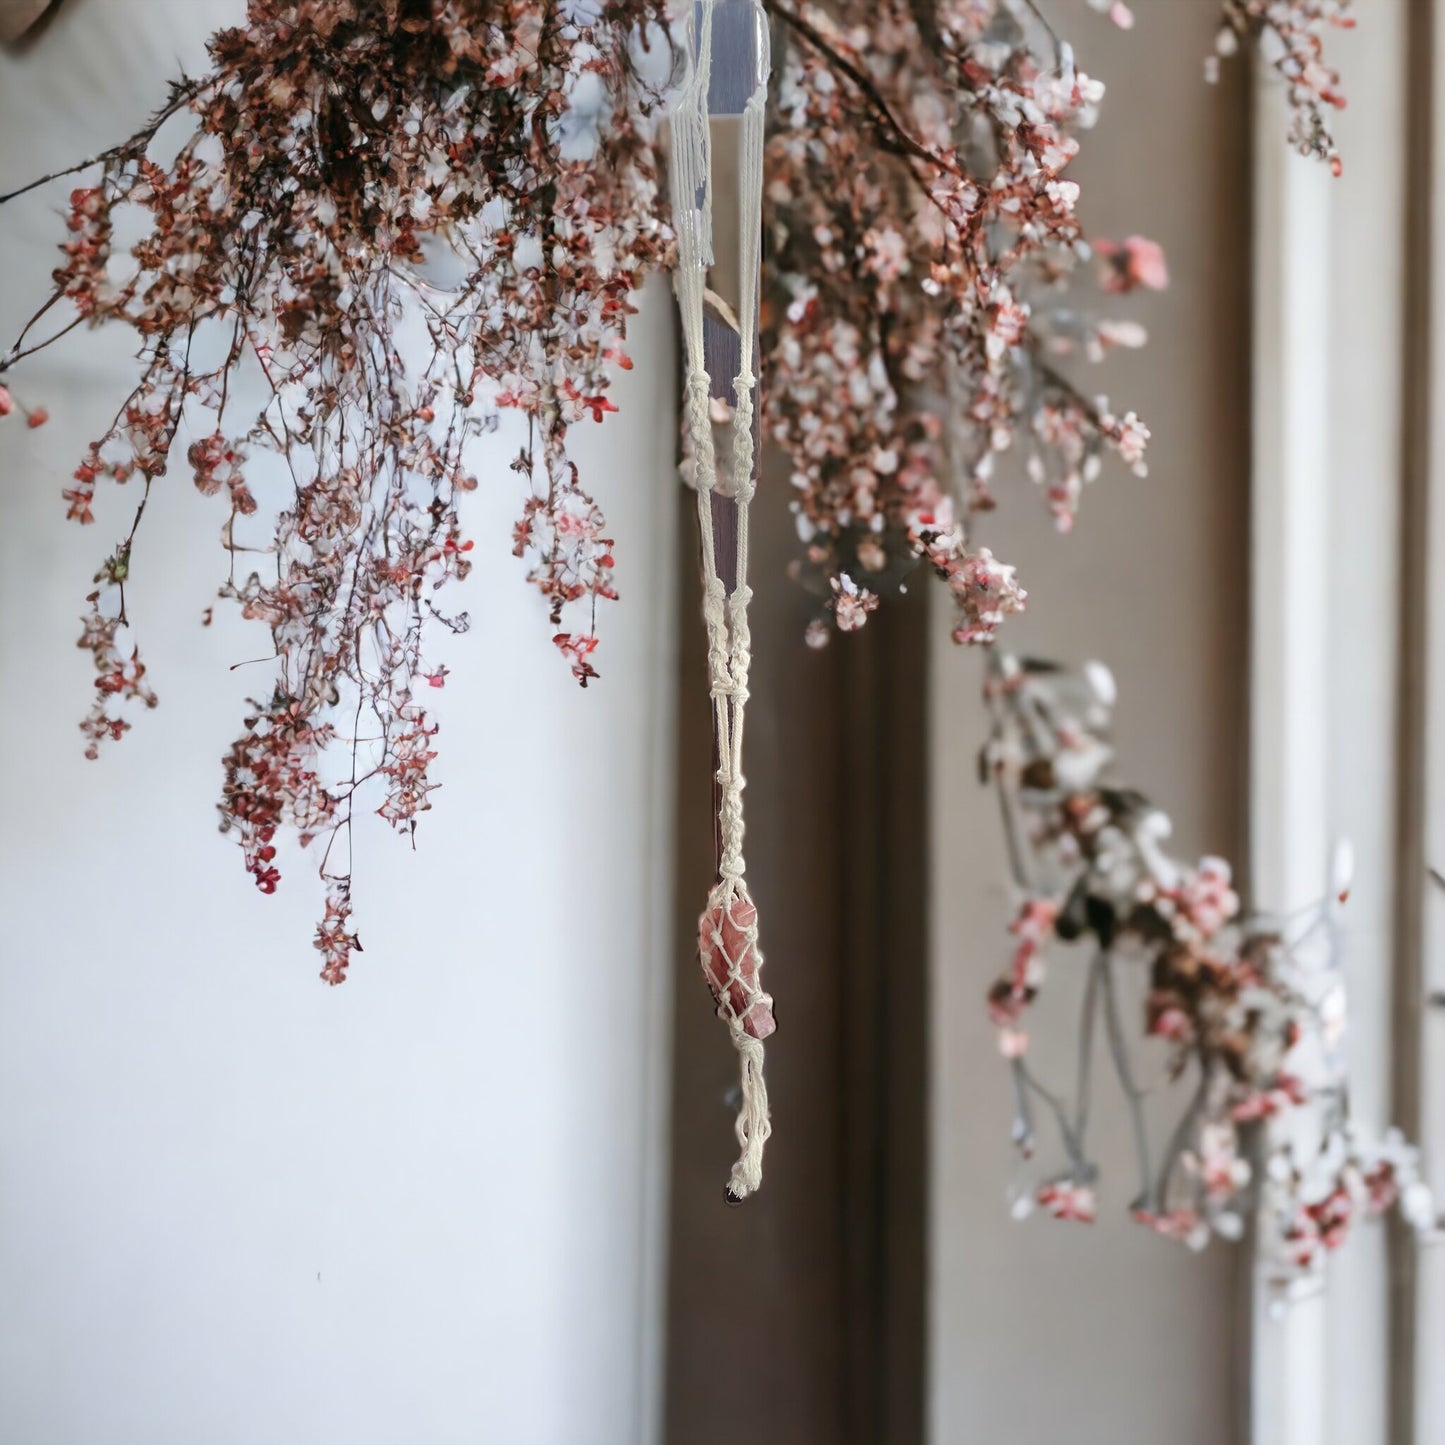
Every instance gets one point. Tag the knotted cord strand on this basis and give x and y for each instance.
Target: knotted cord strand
(727, 932)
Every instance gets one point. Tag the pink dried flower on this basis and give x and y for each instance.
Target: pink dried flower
(1290, 36)
(851, 603)
(1134, 262)
(333, 940)
(1181, 1224)
(918, 219)
(1220, 992)
(1065, 1199)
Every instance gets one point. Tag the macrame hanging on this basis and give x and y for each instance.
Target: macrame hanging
(728, 928)
(336, 148)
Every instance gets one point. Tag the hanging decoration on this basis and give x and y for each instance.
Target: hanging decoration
(728, 928)
(383, 224)
(928, 261)
(920, 226)
(1250, 1010)
(1290, 38)
(336, 147)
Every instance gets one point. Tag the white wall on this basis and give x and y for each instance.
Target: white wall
(236, 1205)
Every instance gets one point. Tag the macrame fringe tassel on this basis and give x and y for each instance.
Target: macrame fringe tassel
(753, 1125)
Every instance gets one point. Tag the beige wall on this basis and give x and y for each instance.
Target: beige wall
(1043, 1331)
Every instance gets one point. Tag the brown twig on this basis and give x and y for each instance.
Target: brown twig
(883, 116)
(182, 94)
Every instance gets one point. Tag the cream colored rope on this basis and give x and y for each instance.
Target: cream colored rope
(728, 929)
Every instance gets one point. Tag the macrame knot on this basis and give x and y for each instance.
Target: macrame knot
(697, 396)
(737, 615)
(719, 663)
(737, 689)
(744, 490)
(743, 416)
(699, 389)
(753, 1126)
(730, 816)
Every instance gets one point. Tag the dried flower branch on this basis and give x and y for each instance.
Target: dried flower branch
(341, 154)
(1289, 34)
(1252, 1009)
(920, 222)
(289, 295)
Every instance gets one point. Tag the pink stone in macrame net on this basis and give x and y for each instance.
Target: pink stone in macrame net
(727, 945)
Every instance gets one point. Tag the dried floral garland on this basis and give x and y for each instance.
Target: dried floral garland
(337, 147)
(1251, 1009)
(1290, 36)
(343, 153)
(926, 252)
(917, 199)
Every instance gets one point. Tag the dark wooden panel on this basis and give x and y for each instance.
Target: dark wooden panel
(804, 1307)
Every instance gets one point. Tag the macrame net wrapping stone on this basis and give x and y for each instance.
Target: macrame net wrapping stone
(728, 947)
(727, 941)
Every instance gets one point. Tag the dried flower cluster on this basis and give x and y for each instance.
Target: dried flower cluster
(926, 252)
(1252, 1010)
(391, 220)
(1290, 36)
(341, 154)
(922, 229)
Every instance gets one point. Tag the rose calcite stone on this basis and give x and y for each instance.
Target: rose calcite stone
(723, 935)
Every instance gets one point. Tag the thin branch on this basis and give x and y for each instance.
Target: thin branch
(181, 95)
(1085, 1076)
(1072, 1145)
(11, 357)
(1179, 1139)
(883, 116)
(1132, 1092)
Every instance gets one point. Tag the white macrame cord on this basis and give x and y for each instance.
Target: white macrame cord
(728, 929)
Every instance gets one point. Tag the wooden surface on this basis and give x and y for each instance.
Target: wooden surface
(804, 1307)
(17, 16)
